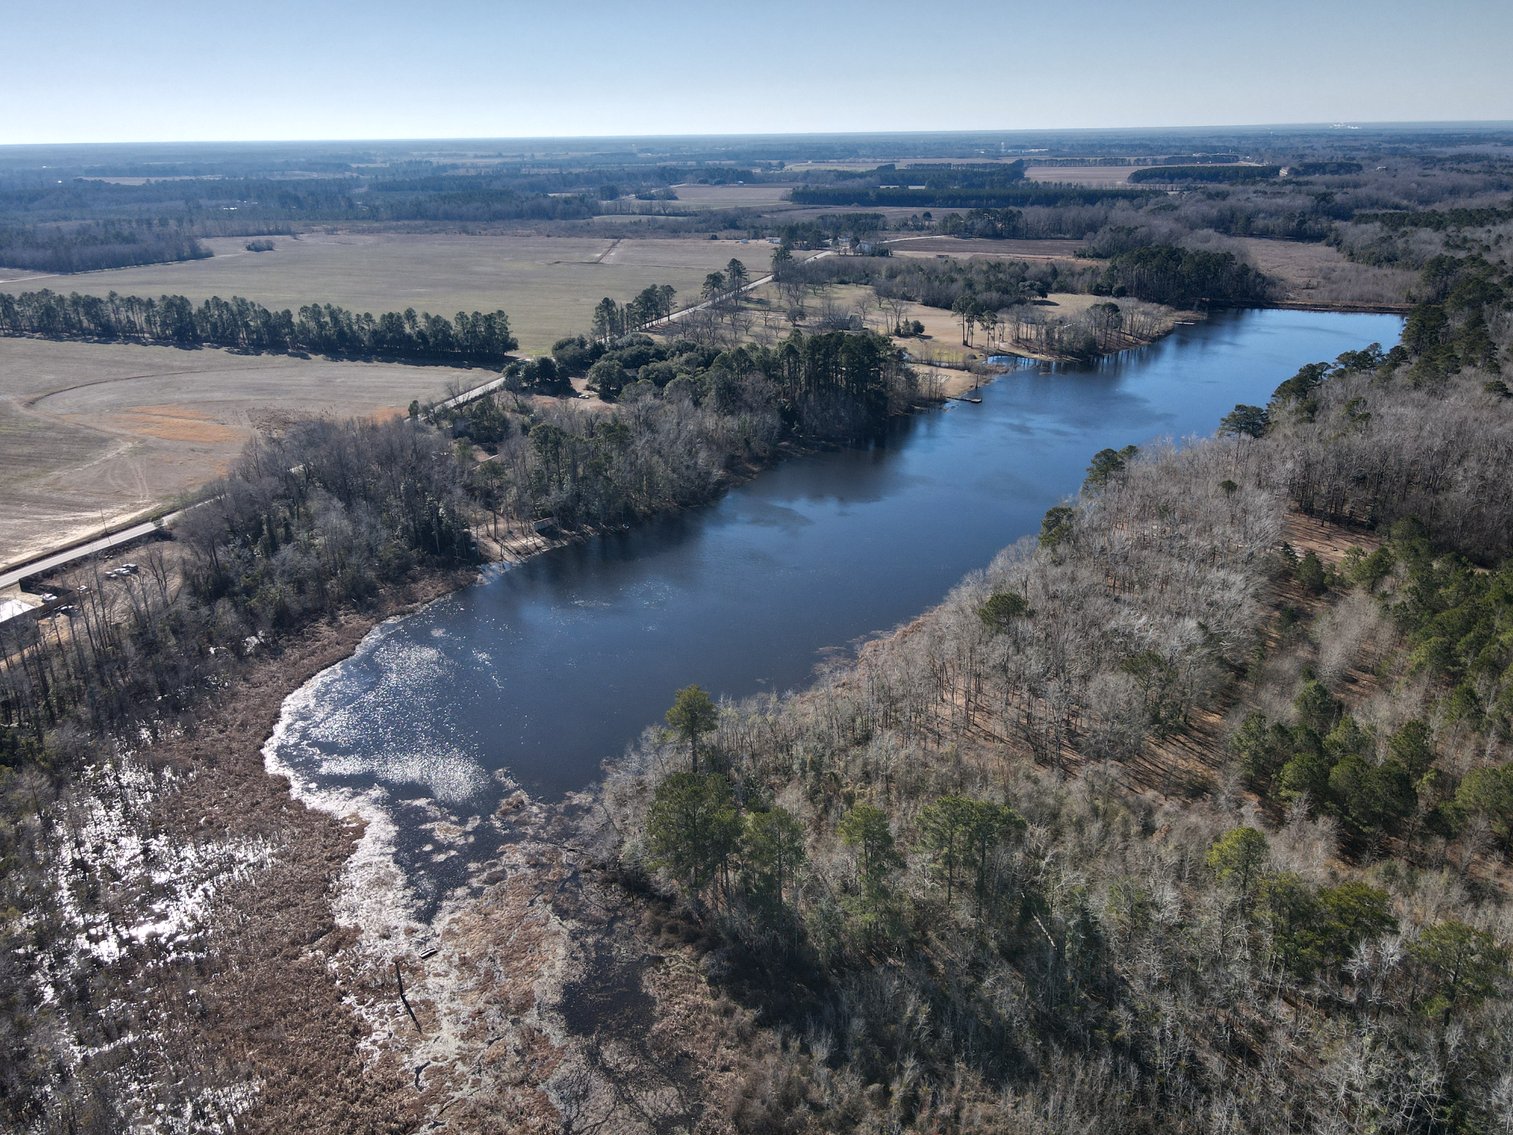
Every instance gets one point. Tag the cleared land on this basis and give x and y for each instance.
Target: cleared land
(864, 164)
(1319, 274)
(547, 285)
(95, 434)
(1096, 176)
(730, 196)
(966, 249)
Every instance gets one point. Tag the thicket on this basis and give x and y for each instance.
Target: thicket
(467, 339)
(89, 246)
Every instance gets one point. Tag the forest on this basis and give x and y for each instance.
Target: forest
(1190, 812)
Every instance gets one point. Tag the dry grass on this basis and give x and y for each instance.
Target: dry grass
(93, 434)
(1317, 273)
(547, 285)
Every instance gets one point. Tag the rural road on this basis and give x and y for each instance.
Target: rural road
(12, 576)
(494, 384)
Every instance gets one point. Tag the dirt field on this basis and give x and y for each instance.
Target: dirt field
(730, 196)
(95, 434)
(547, 285)
(999, 249)
(863, 164)
(1097, 176)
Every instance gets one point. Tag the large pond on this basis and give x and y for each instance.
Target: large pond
(542, 671)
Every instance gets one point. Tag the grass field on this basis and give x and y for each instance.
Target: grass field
(1317, 273)
(93, 434)
(547, 285)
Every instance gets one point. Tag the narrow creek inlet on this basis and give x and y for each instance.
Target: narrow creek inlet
(540, 672)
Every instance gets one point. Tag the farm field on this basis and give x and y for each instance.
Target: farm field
(547, 285)
(965, 249)
(855, 165)
(730, 196)
(94, 434)
(1095, 176)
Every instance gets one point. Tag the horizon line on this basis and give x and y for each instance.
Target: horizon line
(1337, 124)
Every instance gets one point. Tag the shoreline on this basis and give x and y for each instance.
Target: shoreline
(340, 925)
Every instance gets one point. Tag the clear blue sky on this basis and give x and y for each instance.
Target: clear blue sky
(170, 70)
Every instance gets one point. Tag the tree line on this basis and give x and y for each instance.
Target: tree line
(93, 245)
(996, 197)
(467, 339)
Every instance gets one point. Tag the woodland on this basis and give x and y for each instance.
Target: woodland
(1190, 812)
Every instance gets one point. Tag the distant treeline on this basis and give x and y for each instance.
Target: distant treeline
(956, 197)
(1438, 220)
(1159, 273)
(89, 246)
(984, 224)
(1211, 173)
(1230, 174)
(467, 339)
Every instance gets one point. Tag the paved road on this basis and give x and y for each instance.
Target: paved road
(12, 576)
(476, 392)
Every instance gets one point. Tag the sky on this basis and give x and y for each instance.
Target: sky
(169, 70)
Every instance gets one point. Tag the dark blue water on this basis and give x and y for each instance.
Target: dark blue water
(545, 670)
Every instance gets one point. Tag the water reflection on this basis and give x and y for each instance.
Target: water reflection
(545, 670)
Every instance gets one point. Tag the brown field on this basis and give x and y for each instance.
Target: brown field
(95, 434)
(893, 213)
(1099, 177)
(863, 164)
(1002, 249)
(730, 196)
(943, 329)
(1317, 273)
(547, 285)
